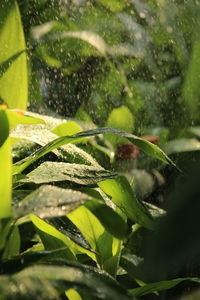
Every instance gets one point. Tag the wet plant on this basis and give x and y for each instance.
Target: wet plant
(99, 187)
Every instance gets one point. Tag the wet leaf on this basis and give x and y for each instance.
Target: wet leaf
(58, 171)
(65, 226)
(146, 146)
(41, 135)
(50, 201)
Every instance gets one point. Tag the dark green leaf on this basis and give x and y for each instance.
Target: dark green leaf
(160, 286)
(42, 281)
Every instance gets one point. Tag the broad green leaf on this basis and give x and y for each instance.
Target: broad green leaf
(146, 146)
(107, 248)
(58, 171)
(160, 286)
(110, 219)
(54, 239)
(123, 196)
(13, 83)
(6, 64)
(182, 145)
(120, 118)
(50, 201)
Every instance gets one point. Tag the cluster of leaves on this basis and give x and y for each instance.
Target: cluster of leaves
(75, 210)
(70, 226)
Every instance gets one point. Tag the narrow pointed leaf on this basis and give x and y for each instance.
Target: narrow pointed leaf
(160, 286)
(146, 146)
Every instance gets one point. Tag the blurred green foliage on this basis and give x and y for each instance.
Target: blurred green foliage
(99, 55)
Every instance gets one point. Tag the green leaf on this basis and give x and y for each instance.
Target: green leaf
(6, 166)
(58, 171)
(53, 239)
(160, 286)
(107, 248)
(116, 120)
(123, 196)
(13, 244)
(6, 64)
(41, 136)
(67, 128)
(146, 146)
(72, 294)
(65, 226)
(18, 117)
(4, 126)
(13, 83)
(50, 201)
(110, 219)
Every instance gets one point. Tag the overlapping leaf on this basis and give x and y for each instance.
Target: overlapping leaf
(146, 146)
(49, 201)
